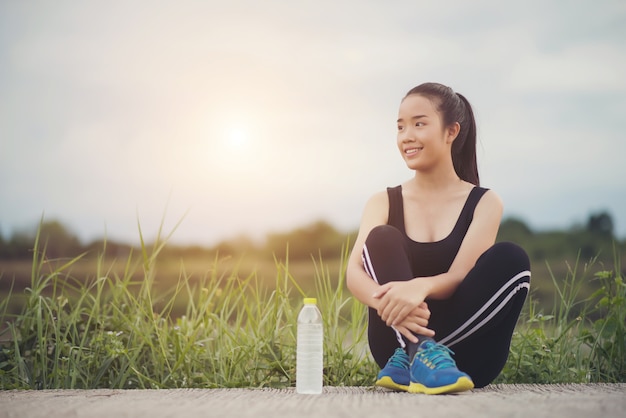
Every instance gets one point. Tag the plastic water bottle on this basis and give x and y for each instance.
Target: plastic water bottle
(310, 349)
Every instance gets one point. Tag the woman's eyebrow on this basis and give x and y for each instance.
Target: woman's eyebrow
(413, 118)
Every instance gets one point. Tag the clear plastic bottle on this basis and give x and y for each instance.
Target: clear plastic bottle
(310, 349)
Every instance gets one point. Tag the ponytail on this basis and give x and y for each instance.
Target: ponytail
(464, 146)
(454, 107)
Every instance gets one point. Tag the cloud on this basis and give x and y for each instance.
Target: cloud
(109, 108)
(580, 68)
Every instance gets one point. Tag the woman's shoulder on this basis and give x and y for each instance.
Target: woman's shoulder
(488, 193)
(379, 199)
(382, 196)
(376, 210)
(489, 202)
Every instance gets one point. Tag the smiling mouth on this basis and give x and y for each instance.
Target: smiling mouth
(413, 151)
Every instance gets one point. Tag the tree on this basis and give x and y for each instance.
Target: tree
(514, 230)
(19, 246)
(58, 240)
(318, 238)
(3, 246)
(600, 223)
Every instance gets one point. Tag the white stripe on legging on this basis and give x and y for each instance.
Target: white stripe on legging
(446, 341)
(367, 263)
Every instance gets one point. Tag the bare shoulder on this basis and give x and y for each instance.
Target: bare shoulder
(377, 206)
(492, 198)
(490, 204)
(379, 198)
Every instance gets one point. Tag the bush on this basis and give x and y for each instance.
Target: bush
(580, 341)
(115, 332)
(118, 331)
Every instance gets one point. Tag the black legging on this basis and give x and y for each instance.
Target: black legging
(476, 322)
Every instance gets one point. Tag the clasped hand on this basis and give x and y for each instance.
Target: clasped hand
(403, 307)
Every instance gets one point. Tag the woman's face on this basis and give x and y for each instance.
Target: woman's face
(422, 140)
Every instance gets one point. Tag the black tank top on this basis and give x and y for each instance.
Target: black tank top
(432, 258)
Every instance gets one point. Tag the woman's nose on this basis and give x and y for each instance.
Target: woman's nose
(406, 135)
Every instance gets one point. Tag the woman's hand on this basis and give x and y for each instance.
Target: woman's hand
(416, 322)
(402, 307)
(399, 299)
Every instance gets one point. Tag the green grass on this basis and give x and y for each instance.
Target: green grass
(115, 331)
(581, 340)
(120, 329)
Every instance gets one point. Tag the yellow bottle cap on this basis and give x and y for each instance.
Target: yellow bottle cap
(310, 301)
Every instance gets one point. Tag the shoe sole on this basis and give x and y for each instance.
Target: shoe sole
(387, 382)
(461, 385)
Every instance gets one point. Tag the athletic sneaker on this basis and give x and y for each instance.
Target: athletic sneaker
(433, 371)
(395, 374)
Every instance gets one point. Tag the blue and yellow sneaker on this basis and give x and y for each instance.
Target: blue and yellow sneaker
(433, 371)
(395, 374)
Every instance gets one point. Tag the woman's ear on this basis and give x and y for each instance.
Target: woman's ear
(452, 132)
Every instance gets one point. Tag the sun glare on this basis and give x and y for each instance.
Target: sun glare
(237, 137)
(233, 147)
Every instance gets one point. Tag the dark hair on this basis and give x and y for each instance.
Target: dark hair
(453, 107)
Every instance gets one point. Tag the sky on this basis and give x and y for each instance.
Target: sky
(222, 119)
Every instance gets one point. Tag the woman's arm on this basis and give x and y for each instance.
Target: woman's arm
(364, 288)
(399, 299)
(360, 284)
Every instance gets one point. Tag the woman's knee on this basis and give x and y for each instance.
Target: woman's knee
(385, 255)
(385, 236)
(510, 254)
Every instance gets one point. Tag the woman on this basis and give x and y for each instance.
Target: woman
(443, 297)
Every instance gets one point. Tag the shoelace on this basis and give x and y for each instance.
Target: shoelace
(399, 359)
(436, 356)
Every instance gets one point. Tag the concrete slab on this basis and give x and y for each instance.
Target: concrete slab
(572, 401)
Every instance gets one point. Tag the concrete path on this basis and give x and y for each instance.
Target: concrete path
(571, 401)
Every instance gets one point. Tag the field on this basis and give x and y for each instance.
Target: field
(168, 271)
(149, 320)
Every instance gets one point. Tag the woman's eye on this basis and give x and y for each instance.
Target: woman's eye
(419, 124)
(400, 128)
